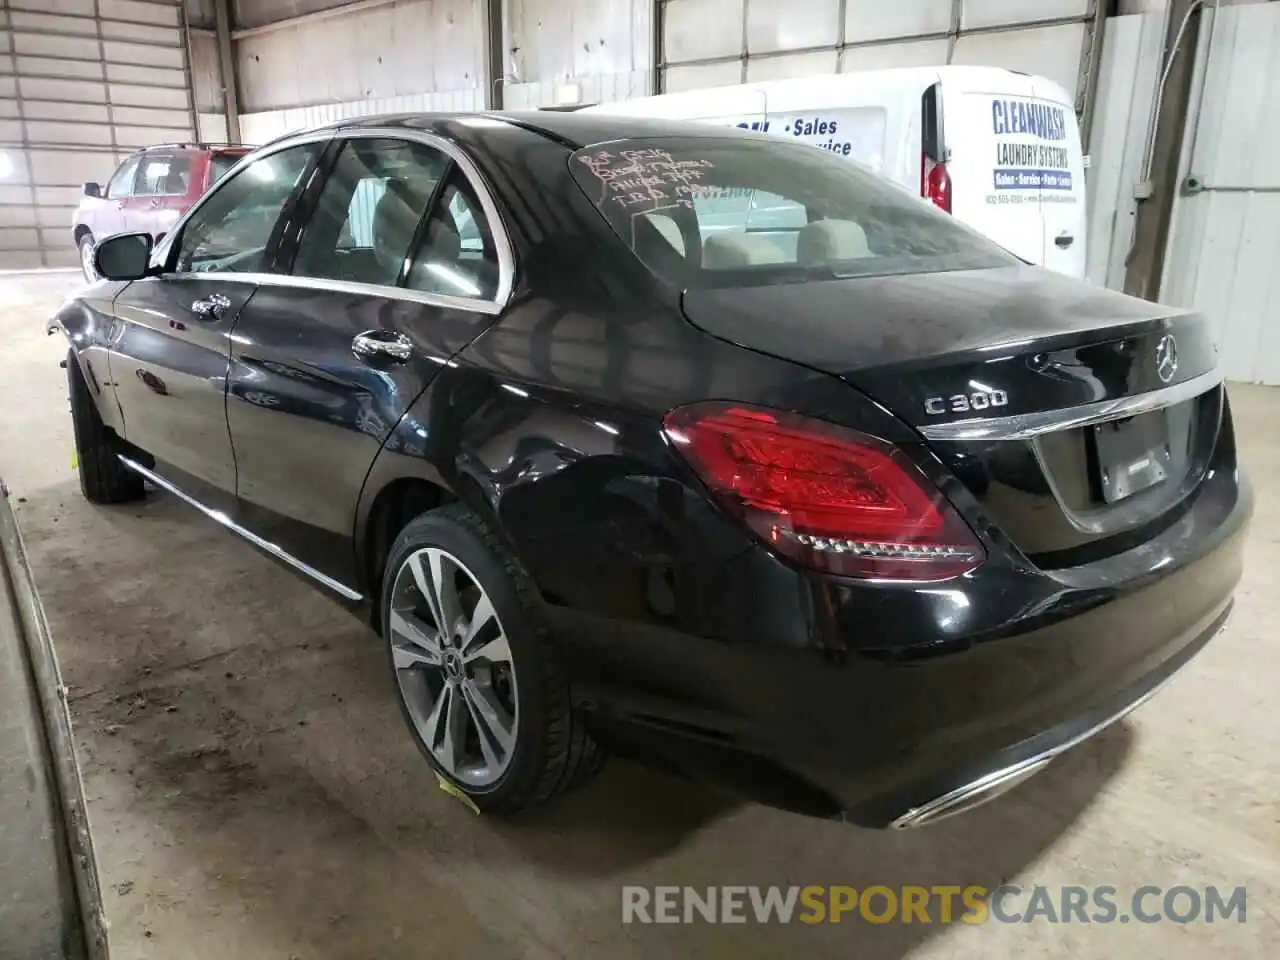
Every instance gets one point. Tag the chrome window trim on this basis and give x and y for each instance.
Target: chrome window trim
(1025, 426)
(501, 238)
(345, 286)
(219, 517)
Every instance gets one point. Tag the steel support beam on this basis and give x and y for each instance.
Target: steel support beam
(495, 43)
(227, 68)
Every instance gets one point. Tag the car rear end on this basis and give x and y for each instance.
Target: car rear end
(1022, 515)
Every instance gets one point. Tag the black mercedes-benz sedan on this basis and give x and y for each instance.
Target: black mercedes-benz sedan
(676, 441)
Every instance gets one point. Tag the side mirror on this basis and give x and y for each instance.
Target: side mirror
(126, 256)
(92, 189)
(160, 236)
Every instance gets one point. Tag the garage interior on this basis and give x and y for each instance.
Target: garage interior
(250, 790)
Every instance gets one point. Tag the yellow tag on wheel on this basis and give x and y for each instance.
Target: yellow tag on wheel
(453, 791)
(75, 460)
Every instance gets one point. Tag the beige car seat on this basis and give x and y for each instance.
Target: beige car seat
(826, 240)
(732, 251)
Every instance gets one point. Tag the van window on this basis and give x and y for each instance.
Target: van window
(719, 211)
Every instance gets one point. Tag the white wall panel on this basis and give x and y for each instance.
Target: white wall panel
(1037, 36)
(589, 51)
(1225, 243)
(774, 25)
(884, 56)
(879, 20)
(812, 64)
(997, 13)
(702, 29)
(258, 128)
(416, 46)
(1054, 52)
(680, 77)
(82, 84)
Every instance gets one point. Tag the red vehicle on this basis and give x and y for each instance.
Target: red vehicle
(148, 193)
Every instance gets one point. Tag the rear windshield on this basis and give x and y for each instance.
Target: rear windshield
(723, 211)
(221, 163)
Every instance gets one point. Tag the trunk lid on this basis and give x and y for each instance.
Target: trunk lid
(1075, 416)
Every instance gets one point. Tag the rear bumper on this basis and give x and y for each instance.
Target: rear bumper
(872, 702)
(1023, 760)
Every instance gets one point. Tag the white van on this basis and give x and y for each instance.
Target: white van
(997, 149)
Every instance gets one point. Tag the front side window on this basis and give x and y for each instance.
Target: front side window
(369, 211)
(121, 184)
(163, 175)
(723, 211)
(231, 231)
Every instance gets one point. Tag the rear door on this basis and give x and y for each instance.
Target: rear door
(1062, 188)
(327, 358)
(160, 193)
(995, 129)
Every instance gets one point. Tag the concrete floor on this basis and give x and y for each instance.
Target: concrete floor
(253, 793)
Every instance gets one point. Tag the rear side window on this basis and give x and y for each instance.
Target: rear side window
(368, 213)
(720, 211)
(164, 175)
(220, 163)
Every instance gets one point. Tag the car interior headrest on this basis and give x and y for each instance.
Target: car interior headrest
(728, 251)
(827, 240)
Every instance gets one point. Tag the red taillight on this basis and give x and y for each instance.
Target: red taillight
(827, 497)
(935, 183)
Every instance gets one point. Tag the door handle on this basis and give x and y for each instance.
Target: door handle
(1064, 240)
(210, 308)
(381, 345)
(119, 204)
(155, 201)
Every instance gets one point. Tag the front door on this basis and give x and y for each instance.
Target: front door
(160, 192)
(109, 215)
(171, 337)
(326, 361)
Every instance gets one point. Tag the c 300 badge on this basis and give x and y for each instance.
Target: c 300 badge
(966, 402)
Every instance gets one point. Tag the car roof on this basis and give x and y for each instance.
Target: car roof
(573, 129)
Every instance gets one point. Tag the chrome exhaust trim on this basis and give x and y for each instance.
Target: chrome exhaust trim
(991, 785)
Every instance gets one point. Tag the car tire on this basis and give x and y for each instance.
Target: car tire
(536, 747)
(86, 258)
(103, 478)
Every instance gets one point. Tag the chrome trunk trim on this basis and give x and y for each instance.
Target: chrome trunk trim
(1025, 426)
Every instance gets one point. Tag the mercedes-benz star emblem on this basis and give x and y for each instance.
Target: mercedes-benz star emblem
(1166, 358)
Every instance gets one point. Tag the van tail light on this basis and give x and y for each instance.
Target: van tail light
(828, 498)
(935, 183)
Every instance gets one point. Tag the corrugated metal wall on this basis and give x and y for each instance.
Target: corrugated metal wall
(716, 42)
(82, 83)
(1224, 248)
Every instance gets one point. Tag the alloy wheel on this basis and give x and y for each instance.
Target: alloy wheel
(454, 667)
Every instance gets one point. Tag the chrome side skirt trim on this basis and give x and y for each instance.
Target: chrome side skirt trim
(1024, 426)
(264, 545)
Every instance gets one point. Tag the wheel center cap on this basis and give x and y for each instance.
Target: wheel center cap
(453, 665)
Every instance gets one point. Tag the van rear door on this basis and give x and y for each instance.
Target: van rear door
(1062, 190)
(995, 158)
